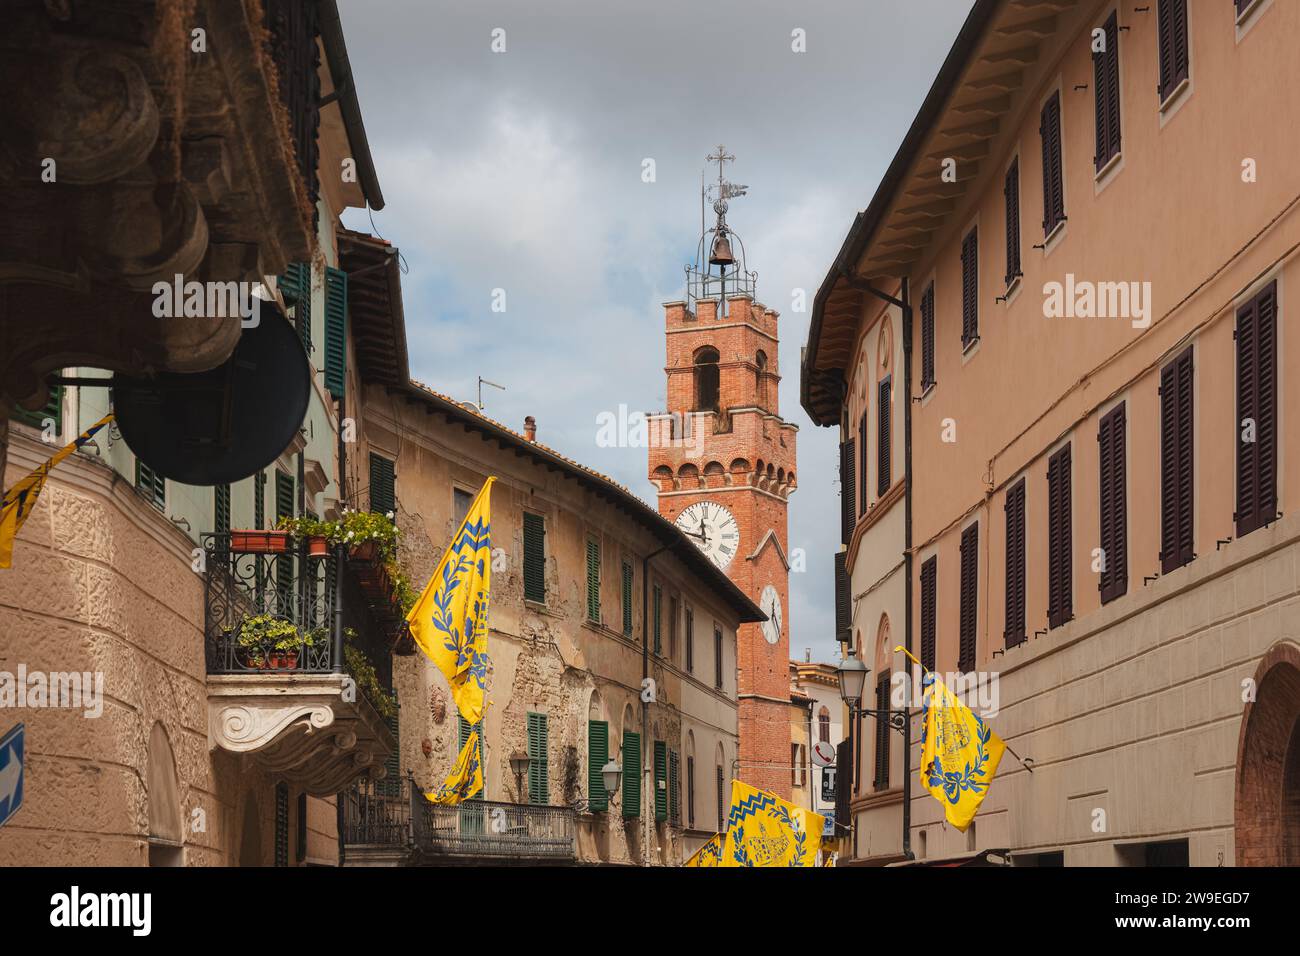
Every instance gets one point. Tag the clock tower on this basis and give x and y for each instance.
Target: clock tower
(723, 461)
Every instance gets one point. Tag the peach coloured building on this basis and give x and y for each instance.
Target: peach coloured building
(1067, 301)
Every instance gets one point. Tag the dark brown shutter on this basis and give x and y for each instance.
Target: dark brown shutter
(843, 600)
(1049, 131)
(848, 513)
(1114, 504)
(1176, 463)
(1060, 569)
(1257, 404)
(843, 780)
(862, 462)
(1172, 16)
(883, 438)
(927, 337)
(970, 326)
(970, 566)
(929, 581)
(883, 731)
(1105, 76)
(1011, 199)
(1015, 584)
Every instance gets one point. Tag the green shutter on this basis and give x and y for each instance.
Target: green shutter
(52, 409)
(627, 599)
(661, 781)
(295, 286)
(593, 580)
(674, 788)
(539, 790)
(152, 484)
(259, 500)
(631, 774)
(464, 728)
(391, 783)
(597, 757)
(658, 619)
(383, 495)
(221, 509)
(284, 508)
(534, 558)
(284, 496)
(336, 331)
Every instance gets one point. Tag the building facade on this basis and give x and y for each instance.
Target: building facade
(1098, 537)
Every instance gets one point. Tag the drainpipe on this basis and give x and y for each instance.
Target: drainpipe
(645, 706)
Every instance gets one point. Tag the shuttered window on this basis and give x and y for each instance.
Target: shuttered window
(627, 599)
(221, 509)
(1177, 463)
(383, 493)
(968, 629)
(390, 784)
(1257, 412)
(336, 330)
(631, 774)
(286, 500)
(882, 733)
(259, 500)
(1011, 201)
(674, 789)
(1014, 507)
(1172, 16)
(597, 757)
(717, 658)
(1112, 486)
(970, 322)
(661, 781)
(848, 514)
(1105, 84)
(151, 484)
(534, 558)
(927, 337)
(656, 618)
(843, 599)
(593, 585)
(1060, 570)
(1049, 130)
(52, 410)
(884, 440)
(281, 848)
(722, 819)
(295, 286)
(862, 464)
(690, 641)
(539, 781)
(929, 582)
(690, 792)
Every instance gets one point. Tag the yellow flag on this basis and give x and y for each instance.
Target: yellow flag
(959, 754)
(710, 854)
(20, 500)
(764, 830)
(450, 620)
(465, 779)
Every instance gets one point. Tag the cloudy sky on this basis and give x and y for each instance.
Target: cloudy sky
(522, 170)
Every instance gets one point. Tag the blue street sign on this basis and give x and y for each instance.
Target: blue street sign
(828, 827)
(11, 773)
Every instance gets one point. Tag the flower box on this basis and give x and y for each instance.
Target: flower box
(259, 542)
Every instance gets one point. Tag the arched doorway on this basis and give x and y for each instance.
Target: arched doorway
(1267, 817)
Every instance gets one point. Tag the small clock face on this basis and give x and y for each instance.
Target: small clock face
(713, 529)
(770, 604)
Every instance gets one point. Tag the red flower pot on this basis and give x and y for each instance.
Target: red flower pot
(318, 547)
(259, 542)
(284, 660)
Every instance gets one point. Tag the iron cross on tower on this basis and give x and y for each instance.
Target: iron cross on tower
(720, 253)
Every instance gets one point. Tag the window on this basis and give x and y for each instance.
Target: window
(539, 789)
(674, 789)
(661, 781)
(690, 791)
(1176, 463)
(722, 820)
(336, 330)
(970, 568)
(465, 728)
(882, 733)
(51, 410)
(690, 641)
(383, 498)
(295, 286)
(717, 658)
(1114, 504)
(534, 558)
(1049, 130)
(927, 337)
(300, 829)
(631, 775)
(824, 726)
(151, 484)
(221, 509)
(1060, 594)
(862, 463)
(1015, 583)
(796, 766)
(706, 380)
(259, 500)
(883, 477)
(627, 599)
(674, 610)
(593, 586)
(1011, 201)
(848, 515)
(656, 615)
(597, 757)
(1105, 84)
(929, 581)
(1172, 16)
(1257, 412)
(970, 320)
(460, 503)
(843, 603)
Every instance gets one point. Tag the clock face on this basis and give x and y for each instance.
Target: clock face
(713, 529)
(770, 604)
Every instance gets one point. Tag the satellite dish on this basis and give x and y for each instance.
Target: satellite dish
(218, 426)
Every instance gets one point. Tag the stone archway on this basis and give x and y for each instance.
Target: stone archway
(1267, 813)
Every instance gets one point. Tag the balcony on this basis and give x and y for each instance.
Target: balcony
(391, 822)
(299, 672)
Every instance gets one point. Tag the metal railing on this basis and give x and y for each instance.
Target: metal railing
(373, 815)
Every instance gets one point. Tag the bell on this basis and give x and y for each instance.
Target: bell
(721, 252)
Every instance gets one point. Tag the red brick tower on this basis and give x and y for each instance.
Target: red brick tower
(727, 472)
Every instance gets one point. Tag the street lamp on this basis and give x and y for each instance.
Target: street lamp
(853, 680)
(518, 764)
(613, 775)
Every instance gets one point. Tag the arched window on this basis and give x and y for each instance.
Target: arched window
(166, 834)
(824, 725)
(760, 368)
(706, 380)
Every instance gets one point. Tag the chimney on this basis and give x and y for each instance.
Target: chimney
(807, 655)
(530, 428)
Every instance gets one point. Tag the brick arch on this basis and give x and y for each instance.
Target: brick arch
(714, 474)
(1267, 812)
(739, 471)
(688, 476)
(884, 656)
(663, 477)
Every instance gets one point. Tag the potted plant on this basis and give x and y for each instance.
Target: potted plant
(269, 642)
(369, 535)
(259, 542)
(318, 534)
